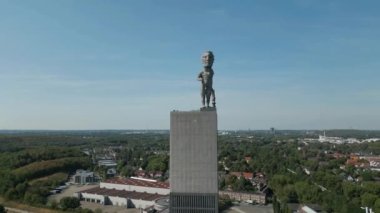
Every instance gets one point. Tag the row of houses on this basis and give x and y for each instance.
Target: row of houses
(254, 198)
(149, 174)
(366, 162)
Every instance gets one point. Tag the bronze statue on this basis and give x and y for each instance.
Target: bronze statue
(207, 92)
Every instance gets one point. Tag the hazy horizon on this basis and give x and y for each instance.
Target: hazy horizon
(58, 130)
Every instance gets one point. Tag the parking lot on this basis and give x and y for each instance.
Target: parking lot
(70, 190)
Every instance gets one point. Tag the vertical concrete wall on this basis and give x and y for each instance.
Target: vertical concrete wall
(94, 197)
(193, 152)
(118, 201)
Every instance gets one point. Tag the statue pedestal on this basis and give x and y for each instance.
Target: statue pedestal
(193, 161)
(207, 109)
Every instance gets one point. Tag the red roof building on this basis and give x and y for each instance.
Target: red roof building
(246, 175)
(138, 182)
(247, 159)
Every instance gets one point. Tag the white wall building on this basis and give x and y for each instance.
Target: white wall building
(136, 184)
(127, 192)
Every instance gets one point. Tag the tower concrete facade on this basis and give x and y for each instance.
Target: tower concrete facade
(193, 161)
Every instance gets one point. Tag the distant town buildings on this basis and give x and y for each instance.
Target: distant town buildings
(255, 197)
(374, 162)
(338, 140)
(149, 174)
(365, 162)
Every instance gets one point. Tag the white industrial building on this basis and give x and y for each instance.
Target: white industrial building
(127, 192)
(107, 163)
(84, 177)
(137, 184)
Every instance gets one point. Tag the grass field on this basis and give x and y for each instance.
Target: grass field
(31, 209)
(56, 177)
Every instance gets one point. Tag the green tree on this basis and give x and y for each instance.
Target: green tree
(158, 163)
(127, 171)
(230, 180)
(368, 199)
(53, 204)
(98, 211)
(222, 184)
(371, 187)
(69, 203)
(289, 194)
(2, 209)
(377, 205)
(102, 171)
(21, 188)
(279, 181)
(7, 181)
(34, 198)
(307, 193)
(11, 194)
(367, 175)
(241, 184)
(351, 190)
(224, 202)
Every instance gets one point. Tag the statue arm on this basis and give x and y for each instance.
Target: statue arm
(199, 76)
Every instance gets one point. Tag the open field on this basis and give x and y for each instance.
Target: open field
(18, 207)
(58, 177)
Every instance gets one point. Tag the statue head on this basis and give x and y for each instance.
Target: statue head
(208, 59)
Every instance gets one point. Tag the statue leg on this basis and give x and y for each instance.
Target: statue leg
(208, 95)
(213, 97)
(203, 96)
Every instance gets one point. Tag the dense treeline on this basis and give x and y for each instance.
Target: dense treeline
(15, 185)
(30, 139)
(353, 133)
(131, 160)
(17, 159)
(43, 168)
(285, 164)
(31, 164)
(50, 165)
(16, 143)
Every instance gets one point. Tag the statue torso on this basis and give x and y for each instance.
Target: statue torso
(206, 76)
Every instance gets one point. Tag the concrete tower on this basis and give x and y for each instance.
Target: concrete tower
(193, 161)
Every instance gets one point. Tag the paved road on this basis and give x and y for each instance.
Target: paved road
(108, 208)
(13, 210)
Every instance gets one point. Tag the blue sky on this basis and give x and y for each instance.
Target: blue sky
(297, 64)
